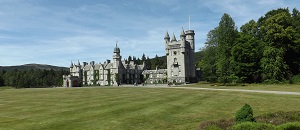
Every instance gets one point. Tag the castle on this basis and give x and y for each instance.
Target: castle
(180, 67)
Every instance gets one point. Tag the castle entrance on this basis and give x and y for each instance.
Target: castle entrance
(75, 83)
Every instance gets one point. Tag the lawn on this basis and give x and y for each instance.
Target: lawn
(128, 108)
(271, 87)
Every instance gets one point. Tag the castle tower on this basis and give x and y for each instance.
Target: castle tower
(190, 38)
(167, 40)
(117, 66)
(117, 56)
(180, 57)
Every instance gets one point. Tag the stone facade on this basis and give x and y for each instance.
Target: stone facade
(155, 76)
(180, 67)
(180, 57)
(180, 60)
(104, 74)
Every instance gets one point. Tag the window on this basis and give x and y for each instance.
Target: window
(174, 53)
(175, 60)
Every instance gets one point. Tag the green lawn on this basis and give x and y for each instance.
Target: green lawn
(271, 87)
(128, 108)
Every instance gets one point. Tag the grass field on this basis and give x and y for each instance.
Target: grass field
(128, 108)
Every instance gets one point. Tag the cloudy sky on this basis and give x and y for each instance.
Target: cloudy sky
(57, 32)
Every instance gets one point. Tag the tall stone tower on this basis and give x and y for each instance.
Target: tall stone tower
(117, 57)
(180, 57)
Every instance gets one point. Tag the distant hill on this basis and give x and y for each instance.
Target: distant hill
(32, 66)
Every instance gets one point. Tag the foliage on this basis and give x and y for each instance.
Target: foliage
(33, 78)
(245, 114)
(226, 36)
(266, 50)
(222, 124)
(296, 79)
(108, 77)
(208, 62)
(117, 78)
(212, 127)
(278, 119)
(273, 65)
(96, 77)
(289, 126)
(253, 126)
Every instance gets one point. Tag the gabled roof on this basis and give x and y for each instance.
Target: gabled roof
(87, 67)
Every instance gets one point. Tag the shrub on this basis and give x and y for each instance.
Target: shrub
(289, 126)
(280, 117)
(222, 124)
(245, 114)
(253, 126)
(296, 79)
(212, 127)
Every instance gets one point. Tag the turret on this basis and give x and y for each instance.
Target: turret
(183, 40)
(190, 38)
(167, 37)
(78, 63)
(71, 66)
(117, 56)
(182, 35)
(173, 38)
(167, 40)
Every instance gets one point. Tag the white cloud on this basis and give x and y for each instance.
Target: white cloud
(40, 32)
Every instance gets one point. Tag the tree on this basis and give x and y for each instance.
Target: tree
(1, 78)
(134, 60)
(156, 62)
(245, 114)
(273, 65)
(227, 34)
(148, 63)
(117, 78)
(143, 58)
(281, 33)
(208, 62)
(246, 56)
(247, 53)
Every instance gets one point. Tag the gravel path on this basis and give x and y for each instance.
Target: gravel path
(215, 89)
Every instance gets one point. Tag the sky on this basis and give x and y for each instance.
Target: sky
(56, 32)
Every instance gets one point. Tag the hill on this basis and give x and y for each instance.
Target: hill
(32, 66)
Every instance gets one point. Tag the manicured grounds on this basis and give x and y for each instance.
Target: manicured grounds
(128, 108)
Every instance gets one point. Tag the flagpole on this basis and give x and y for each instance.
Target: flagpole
(189, 23)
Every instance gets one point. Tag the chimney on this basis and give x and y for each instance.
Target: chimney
(84, 64)
(92, 63)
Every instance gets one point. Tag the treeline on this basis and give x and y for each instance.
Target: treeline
(32, 78)
(266, 50)
(159, 62)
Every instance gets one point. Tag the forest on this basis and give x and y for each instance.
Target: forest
(262, 51)
(32, 78)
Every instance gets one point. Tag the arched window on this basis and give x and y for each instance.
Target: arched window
(175, 60)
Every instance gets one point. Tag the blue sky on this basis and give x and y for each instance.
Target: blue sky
(57, 32)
